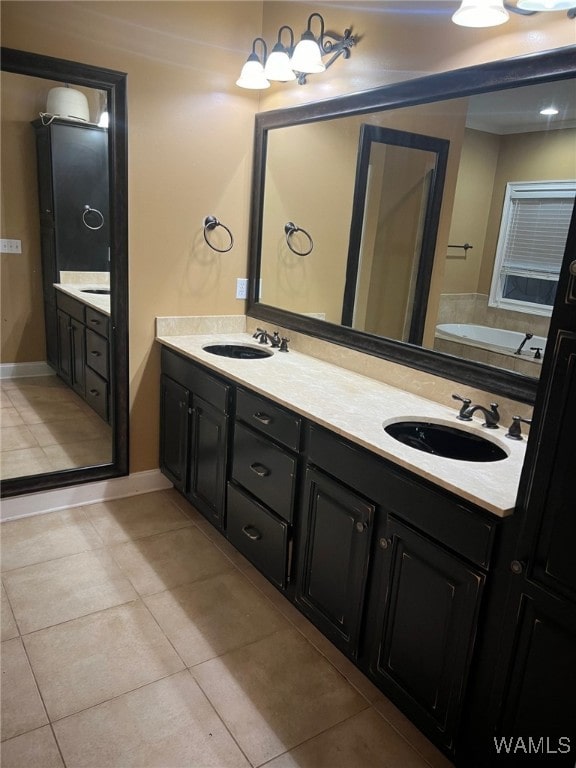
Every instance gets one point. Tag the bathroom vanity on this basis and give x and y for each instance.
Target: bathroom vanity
(82, 343)
(386, 549)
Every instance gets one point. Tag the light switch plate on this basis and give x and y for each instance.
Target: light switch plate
(10, 246)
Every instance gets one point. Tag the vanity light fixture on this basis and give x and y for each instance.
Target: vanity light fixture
(278, 65)
(252, 75)
(289, 62)
(481, 13)
(491, 13)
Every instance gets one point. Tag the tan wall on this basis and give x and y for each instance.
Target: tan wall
(190, 129)
(22, 331)
(472, 201)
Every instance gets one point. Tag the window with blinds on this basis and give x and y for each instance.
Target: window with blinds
(533, 232)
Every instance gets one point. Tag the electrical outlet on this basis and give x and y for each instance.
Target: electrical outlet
(241, 287)
(10, 246)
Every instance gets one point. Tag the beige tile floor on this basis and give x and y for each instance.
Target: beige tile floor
(47, 427)
(135, 636)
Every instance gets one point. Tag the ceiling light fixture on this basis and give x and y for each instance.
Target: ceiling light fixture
(289, 62)
(549, 111)
(491, 13)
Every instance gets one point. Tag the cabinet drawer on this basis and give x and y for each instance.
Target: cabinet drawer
(265, 470)
(97, 321)
(210, 388)
(97, 353)
(97, 393)
(268, 418)
(261, 537)
(71, 306)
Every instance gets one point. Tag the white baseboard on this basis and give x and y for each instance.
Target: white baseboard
(24, 370)
(87, 493)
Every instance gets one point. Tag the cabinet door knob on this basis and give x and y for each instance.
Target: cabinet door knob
(384, 543)
(260, 469)
(252, 533)
(361, 526)
(572, 268)
(516, 567)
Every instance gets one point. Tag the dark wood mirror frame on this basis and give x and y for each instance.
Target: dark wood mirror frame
(499, 75)
(114, 84)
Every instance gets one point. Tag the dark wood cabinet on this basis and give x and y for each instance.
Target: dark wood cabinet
(530, 643)
(422, 636)
(262, 495)
(83, 354)
(71, 346)
(174, 431)
(194, 434)
(72, 163)
(208, 459)
(334, 543)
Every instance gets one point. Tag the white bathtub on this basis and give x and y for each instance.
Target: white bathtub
(494, 339)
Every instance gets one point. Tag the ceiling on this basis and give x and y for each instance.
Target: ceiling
(517, 110)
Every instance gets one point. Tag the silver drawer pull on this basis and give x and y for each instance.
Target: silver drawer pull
(94, 393)
(252, 533)
(95, 322)
(263, 417)
(95, 353)
(260, 469)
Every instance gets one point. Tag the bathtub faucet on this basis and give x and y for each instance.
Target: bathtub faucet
(526, 338)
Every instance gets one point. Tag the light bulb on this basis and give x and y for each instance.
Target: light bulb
(481, 13)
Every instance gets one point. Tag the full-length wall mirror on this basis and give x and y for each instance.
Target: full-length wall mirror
(488, 252)
(65, 296)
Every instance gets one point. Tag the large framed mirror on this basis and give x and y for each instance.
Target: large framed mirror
(502, 154)
(65, 357)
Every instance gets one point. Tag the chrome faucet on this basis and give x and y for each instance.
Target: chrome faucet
(526, 338)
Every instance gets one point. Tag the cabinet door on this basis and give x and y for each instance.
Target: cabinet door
(79, 156)
(334, 541)
(78, 355)
(427, 610)
(208, 454)
(64, 348)
(174, 431)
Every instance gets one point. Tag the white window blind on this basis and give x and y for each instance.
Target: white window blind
(533, 231)
(536, 236)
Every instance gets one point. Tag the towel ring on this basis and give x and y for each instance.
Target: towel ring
(290, 228)
(88, 210)
(210, 223)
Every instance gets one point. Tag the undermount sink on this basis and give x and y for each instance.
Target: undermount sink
(237, 351)
(105, 291)
(445, 440)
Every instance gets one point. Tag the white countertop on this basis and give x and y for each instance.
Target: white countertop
(99, 301)
(355, 407)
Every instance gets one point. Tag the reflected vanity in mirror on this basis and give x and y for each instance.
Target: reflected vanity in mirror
(64, 361)
(457, 274)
